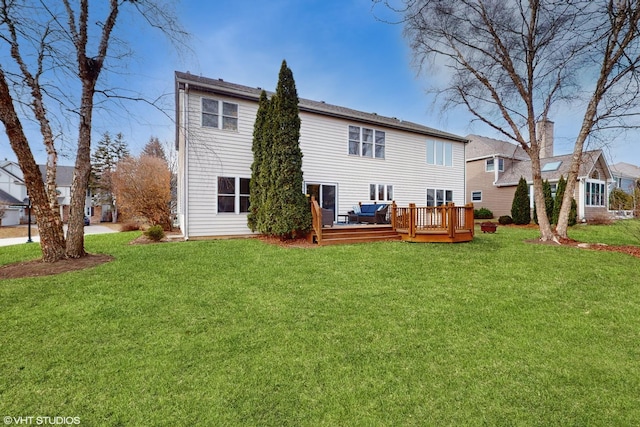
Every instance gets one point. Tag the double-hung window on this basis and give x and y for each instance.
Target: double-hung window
(233, 194)
(366, 142)
(219, 114)
(439, 153)
(491, 165)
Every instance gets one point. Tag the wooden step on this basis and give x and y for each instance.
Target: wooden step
(357, 234)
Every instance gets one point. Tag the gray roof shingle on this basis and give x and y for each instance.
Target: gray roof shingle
(244, 92)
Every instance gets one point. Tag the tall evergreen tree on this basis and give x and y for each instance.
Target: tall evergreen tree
(286, 207)
(154, 149)
(520, 208)
(106, 156)
(562, 184)
(259, 171)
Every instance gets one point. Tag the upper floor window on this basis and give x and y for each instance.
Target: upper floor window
(490, 165)
(219, 114)
(439, 153)
(366, 142)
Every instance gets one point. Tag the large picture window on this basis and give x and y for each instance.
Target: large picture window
(439, 153)
(219, 114)
(595, 193)
(233, 194)
(366, 142)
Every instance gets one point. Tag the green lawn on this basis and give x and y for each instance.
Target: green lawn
(237, 332)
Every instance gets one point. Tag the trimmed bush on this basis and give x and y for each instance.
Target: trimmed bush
(482, 213)
(505, 219)
(520, 209)
(155, 233)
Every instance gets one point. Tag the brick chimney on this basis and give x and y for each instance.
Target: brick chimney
(545, 135)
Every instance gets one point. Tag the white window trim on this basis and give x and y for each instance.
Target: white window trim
(385, 189)
(221, 116)
(476, 192)
(439, 153)
(435, 196)
(587, 194)
(374, 143)
(236, 195)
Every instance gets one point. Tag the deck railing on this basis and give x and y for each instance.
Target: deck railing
(449, 219)
(316, 222)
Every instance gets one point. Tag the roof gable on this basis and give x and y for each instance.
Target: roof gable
(482, 147)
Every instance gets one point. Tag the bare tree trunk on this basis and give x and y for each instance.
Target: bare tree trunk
(49, 224)
(89, 69)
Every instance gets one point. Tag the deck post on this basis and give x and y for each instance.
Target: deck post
(412, 220)
(394, 208)
(316, 215)
(451, 225)
(468, 218)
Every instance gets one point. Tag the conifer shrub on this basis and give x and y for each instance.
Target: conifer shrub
(573, 213)
(520, 208)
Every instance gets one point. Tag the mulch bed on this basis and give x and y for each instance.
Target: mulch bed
(38, 268)
(625, 249)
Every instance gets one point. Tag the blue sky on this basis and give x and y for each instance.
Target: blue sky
(337, 49)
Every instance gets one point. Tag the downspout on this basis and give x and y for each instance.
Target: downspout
(185, 184)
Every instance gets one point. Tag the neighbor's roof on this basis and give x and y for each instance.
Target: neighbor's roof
(481, 147)
(523, 169)
(625, 170)
(8, 199)
(219, 86)
(64, 175)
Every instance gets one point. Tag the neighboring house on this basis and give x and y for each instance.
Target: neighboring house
(494, 168)
(626, 177)
(13, 192)
(349, 157)
(12, 184)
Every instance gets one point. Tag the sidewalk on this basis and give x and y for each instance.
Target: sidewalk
(89, 229)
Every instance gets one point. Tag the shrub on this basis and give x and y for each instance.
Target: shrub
(129, 226)
(482, 213)
(155, 233)
(573, 214)
(505, 219)
(520, 209)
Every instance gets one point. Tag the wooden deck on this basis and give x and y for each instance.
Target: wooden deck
(442, 224)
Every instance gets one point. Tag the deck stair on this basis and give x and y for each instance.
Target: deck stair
(345, 234)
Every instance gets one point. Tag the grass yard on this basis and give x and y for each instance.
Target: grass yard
(238, 332)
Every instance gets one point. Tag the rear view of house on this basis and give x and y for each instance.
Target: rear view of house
(349, 157)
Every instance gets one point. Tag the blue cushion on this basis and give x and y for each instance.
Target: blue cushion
(368, 210)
